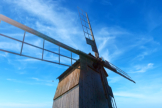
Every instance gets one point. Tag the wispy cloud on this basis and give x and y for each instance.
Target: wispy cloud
(39, 81)
(11, 79)
(10, 46)
(114, 79)
(145, 53)
(106, 38)
(142, 68)
(61, 22)
(106, 2)
(153, 18)
(3, 54)
(142, 92)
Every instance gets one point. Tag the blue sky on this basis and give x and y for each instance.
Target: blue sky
(127, 33)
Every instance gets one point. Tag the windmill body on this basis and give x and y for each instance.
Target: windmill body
(82, 88)
(84, 84)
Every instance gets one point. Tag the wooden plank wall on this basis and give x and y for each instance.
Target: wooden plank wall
(91, 92)
(68, 82)
(69, 100)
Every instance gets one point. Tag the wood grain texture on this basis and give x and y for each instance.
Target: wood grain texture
(81, 88)
(68, 82)
(69, 100)
(91, 92)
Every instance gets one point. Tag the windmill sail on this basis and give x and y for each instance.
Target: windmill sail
(117, 70)
(45, 38)
(87, 30)
(59, 44)
(88, 33)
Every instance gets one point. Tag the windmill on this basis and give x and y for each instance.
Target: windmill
(84, 83)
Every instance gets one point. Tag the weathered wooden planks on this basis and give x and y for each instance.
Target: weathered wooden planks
(91, 92)
(68, 82)
(69, 100)
(81, 88)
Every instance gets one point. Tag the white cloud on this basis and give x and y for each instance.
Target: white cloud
(153, 18)
(63, 21)
(140, 68)
(145, 53)
(4, 54)
(39, 81)
(7, 45)
(106, 2)
(107, 42)
(114, 79)
(11, 79)
(104, 42)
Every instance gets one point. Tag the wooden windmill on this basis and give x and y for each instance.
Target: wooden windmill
(84, 84)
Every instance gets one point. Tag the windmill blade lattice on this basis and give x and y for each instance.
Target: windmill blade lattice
(87, 30)
(117, 70)
(28, 30)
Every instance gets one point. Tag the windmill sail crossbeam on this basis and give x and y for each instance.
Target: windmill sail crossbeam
(45, 37)
(34, 32)
(125, 76)
(87, 30)
(43, 49)
(117, 70)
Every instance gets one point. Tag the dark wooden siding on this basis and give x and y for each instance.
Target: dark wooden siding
(91, 92)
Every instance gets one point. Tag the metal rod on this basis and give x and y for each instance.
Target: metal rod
(22, 43)
(43, 48)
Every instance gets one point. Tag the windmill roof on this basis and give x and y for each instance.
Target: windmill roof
(69, 70)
